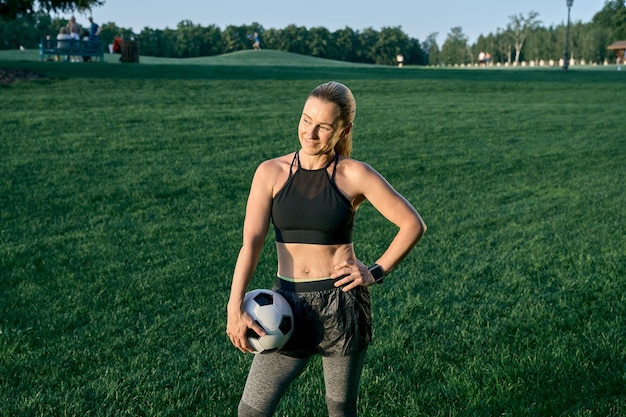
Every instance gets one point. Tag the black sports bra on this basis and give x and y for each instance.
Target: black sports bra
(311, 209)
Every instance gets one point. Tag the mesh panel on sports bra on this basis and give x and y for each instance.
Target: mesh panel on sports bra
(310, 209)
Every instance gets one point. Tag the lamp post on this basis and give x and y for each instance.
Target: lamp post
(570, 3)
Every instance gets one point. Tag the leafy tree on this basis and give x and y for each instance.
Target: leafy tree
(271, 39)
(23, 32)
(431, 49)
(609, 25)
(45, 25)
(211, 41)
(519, 28)
(593, 44)
(504, 47)
(415, 55)
(320, 43)
(455, 49)
(576, 40)
(556, 42)
(619, 23)
(234, 38)
(610, 15)
(347, 42)
(294, 39)
(366, 52)
(152, 42)
(390, 42)
(189, 39)
(536, 45)
(10, 9)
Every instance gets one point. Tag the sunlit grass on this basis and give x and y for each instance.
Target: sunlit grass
(122, 196)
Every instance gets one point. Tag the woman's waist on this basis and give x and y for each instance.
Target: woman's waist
(305, 284)
(311, 262)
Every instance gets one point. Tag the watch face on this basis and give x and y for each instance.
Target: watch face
(377, 272)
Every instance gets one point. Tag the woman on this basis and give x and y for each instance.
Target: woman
(73, 29)
(311, 197)
(63, 42)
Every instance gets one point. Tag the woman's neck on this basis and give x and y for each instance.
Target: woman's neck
(313, 162)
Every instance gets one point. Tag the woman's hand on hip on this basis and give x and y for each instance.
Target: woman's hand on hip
(351, 274)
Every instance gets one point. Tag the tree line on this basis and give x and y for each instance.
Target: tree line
(522, 38)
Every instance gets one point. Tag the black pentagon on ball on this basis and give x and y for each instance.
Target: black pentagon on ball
(285, 325)
(252, 333)
(264, 299)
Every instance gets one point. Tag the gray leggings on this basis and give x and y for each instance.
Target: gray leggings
(271, 374)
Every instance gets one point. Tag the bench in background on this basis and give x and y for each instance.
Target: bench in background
(67, 48)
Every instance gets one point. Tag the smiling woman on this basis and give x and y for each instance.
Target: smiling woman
(317, 127)
(311, 196)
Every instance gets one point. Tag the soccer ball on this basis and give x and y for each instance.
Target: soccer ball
(272, 312)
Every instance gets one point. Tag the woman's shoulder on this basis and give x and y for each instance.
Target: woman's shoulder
(351, 166)
(272, 173)
(278, 161)
(276, 166)
(355, 178)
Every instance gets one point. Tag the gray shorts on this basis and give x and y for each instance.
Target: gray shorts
(327, 320)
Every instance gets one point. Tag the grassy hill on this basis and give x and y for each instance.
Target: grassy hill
(248, 57)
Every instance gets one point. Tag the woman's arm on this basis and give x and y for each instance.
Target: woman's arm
(255, 229)
(395, 208)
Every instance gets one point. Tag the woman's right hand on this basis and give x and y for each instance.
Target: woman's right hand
(238, 323)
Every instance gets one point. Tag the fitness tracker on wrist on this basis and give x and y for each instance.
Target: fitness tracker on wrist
(378, 273)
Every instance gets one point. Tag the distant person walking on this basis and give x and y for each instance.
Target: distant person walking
(487, 59)
(400, 59)
(481, 59)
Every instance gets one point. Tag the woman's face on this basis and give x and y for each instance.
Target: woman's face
(319, 126)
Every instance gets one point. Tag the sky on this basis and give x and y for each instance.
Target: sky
(417, 18)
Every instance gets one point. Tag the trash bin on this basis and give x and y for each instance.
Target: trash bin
(130, 51)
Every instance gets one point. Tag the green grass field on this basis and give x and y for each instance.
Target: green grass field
(122, 195)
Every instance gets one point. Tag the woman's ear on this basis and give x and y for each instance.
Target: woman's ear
(346, 130)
